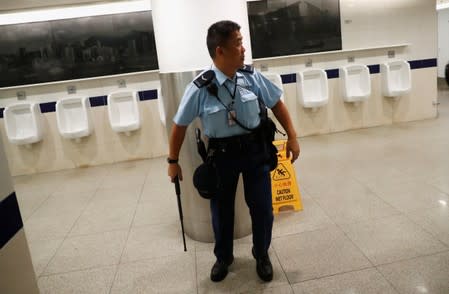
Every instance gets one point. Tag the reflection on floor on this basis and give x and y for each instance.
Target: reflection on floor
(375, 220)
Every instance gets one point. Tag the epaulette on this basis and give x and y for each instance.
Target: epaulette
(247, 68)
(204, 79)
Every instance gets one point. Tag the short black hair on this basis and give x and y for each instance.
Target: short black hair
(219, 33)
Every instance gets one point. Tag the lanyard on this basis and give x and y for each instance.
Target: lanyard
(232, 94)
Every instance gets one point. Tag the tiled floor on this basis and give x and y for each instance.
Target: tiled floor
(375, 220)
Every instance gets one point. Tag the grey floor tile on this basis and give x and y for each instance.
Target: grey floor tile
(392, 239)
(84, 252)
(30, 202)
(434, 220)
(92, 281)
(312, 217)
(441, 182)
(321, 253)
(42, 252)
(104, 218)
(353, 203)
(59, 204)
(427, 274)
(412, 195)
(368, 281)
(154, 241)
(172, 274)
(150, 213)
(285, 289)
(49, 227)
(108, 210)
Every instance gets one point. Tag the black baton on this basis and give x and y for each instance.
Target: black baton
(178, 195)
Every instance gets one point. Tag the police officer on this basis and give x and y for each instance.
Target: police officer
(237, 150)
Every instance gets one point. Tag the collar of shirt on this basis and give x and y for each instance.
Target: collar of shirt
(221, 77)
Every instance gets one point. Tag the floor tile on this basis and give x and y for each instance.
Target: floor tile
(172, 274)
(413, 195)
(312, 217)
(104, 218)
(88, 251)
(311, 255)
(353, 203)
(59, 204)
(94, 281)
(30, 202)
(42, 252)
(285, 289)
(154, 241)
(392, 239)
(368, 281)
(151, 213)
(427, 274)
(441, 182)
(434, 220)
(49, 227)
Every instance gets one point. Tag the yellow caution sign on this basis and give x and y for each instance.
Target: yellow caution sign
(284, 188)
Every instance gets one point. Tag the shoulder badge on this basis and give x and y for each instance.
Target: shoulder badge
(247, 68)
(204, 79)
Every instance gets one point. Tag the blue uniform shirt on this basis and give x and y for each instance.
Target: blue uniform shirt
(214, 116)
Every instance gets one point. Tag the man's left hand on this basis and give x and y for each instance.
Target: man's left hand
(293, 149)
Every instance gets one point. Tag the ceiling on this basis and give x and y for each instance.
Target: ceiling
(7, 5)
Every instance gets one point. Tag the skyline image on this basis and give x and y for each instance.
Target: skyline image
(76, 48)
(289, 27)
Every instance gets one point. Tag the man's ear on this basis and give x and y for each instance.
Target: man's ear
(218, 51)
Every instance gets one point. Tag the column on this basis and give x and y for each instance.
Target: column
(17, 273)
(180, 28)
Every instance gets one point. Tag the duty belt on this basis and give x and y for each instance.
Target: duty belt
(234, 143)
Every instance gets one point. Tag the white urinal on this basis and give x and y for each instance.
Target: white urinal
(23, 123)
(355, 82)
(73, 117)
(312, 88)
(160, 105)
(396, 78)
(276, 79)
(123, 111)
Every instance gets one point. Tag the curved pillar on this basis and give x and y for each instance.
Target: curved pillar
(180, 29)
(17, 273)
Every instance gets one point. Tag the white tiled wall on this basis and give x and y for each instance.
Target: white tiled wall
(384, 22)
(103, 146)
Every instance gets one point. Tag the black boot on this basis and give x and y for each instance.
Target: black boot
(220, 270)
(263, 267)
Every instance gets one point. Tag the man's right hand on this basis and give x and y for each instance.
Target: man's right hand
(174, 169)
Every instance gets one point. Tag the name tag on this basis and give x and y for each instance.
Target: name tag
(231, 115)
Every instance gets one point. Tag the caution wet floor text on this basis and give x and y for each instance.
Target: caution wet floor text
(284, 187)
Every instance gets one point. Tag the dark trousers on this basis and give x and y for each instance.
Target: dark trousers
(231, 162)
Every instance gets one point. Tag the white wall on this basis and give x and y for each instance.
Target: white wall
(443, 40)
(384, 22)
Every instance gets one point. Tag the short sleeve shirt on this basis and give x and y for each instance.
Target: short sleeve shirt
(239, 94)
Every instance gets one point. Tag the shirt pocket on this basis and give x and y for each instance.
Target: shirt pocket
(249, 112)
(214, 119)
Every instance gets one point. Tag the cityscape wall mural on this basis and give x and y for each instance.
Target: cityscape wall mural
(289, 27)
(77, 48)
